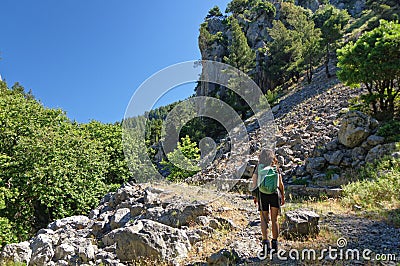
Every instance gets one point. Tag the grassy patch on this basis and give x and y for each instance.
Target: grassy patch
(378, 191)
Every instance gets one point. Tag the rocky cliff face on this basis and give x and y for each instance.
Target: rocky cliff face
(255, 25)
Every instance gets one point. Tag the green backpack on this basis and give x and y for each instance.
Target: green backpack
(267, 179)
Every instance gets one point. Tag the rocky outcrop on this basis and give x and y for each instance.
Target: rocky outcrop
(355, 145)
(148, 239)
(379, 151)
(129, 224)
(255, 25)
(355, 128)
(20, 252)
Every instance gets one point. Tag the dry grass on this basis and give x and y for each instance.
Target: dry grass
(222, 237)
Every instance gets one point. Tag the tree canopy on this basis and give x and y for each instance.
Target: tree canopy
(51, 167)
(331, 21)
(374, 60)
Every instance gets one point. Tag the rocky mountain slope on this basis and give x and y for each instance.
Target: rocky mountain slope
(255, 26)
(180, 225)
(311, 145)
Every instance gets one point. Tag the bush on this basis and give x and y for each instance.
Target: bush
(180, 167)
(272, 97)
(378, 189)
(390, 130)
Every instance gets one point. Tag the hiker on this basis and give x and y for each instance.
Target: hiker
(268, 192)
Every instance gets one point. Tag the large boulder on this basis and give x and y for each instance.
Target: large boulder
(380, 151)
(148, 239)
(178, 214)
(355, 128)
(314, 165)
(20, 252)
(76, 222)
(300, 223)
(42, 250)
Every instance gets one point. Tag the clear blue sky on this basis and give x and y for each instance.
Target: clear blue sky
(87, 57)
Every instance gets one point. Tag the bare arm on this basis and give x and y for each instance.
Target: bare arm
(281, 188)
(255, 178)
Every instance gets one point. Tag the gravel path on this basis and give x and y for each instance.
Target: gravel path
(359, 233)
(298, 114)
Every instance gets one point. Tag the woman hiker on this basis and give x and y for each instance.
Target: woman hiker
(268, 192)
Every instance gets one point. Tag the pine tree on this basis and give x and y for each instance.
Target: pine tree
(240, 55)
(331, 21)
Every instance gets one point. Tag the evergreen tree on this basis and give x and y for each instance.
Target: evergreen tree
(373, 60)
(331, 21)
(240, 54)
(214, 12)
(295, 45)
(242, 57)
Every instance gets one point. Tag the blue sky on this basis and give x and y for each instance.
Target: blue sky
(88, 57)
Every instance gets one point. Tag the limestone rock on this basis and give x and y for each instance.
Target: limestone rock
(149, 239)
(63, 251)
(315, 164)
(372, 141)
(20, 252)
(223, 257)
(300, 223)
(86, 251)
(358, 153)
(332, 145)
(42, 250)
(355, 128)
(334, 158)
(120, 218)
(380, 151)
(177, 215)
(76, 222)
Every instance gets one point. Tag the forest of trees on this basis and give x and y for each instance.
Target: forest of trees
(300, 40)
(51, 167)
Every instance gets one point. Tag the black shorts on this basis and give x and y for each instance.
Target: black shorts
(265, 201)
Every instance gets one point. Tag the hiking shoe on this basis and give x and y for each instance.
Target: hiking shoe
(265, 248)
(274, 244)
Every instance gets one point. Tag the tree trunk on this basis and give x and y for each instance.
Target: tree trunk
(309, 72)
(372, 102)
(328, 75)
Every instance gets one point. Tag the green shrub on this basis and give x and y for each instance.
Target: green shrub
(181, 167)
(377, 190)
(390, 130)
(51, 167)
(271, 96)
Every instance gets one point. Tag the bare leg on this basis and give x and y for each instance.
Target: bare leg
(264, 224)
(274, 221)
